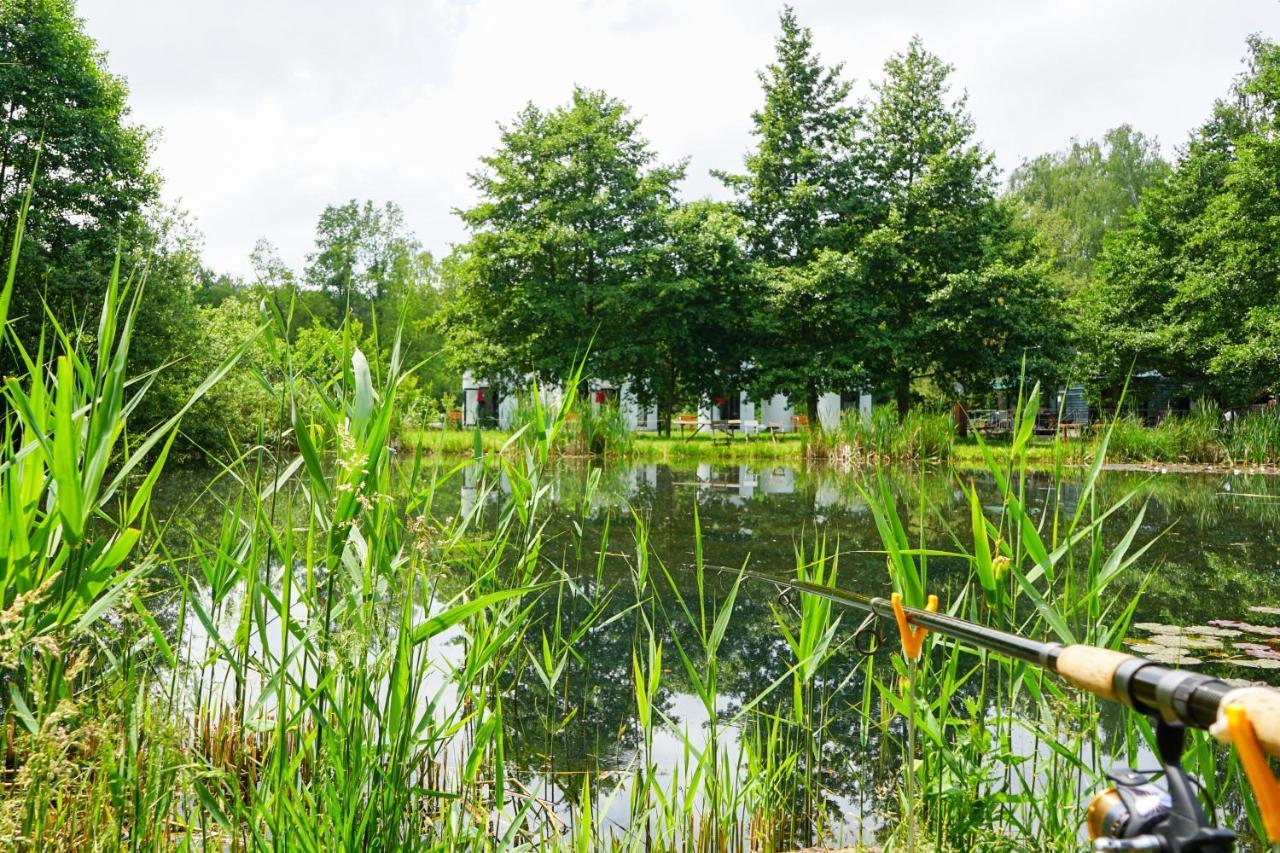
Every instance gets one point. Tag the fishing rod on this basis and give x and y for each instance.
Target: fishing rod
(1133, 814)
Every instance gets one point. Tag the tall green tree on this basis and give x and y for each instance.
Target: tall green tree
(59, 101)
(1192, 287)
(573, 209)
(951, 275)
(817, 326)
(363, 253)
(801, 200)
(1076, 196)
(685, 321)
(797, 182)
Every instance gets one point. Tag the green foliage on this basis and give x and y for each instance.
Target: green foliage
(818, 325)
(368, 265)
(889, 260)
(881, 437)
(572, 212)
(815, 321)
(588, 428)
(686, 323)
(797, 182)
(956, 284)
(229, 415)
(58, 101)
(1075, 197)
(76, 485)
(1201, 436)
(1190, 288)
(363, 253)
(977, 772)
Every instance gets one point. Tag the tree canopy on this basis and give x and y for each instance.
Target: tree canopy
(1191, 289)
(866, 245)
(573, 211)
(60, 104)
(797, 182)
(801, 204)
(960, 298)
(1076, 196)
(686, 323)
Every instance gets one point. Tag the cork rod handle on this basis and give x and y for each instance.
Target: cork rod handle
(1091, 668)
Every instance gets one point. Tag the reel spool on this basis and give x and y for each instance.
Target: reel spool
(1135, 814)
(1128, 810)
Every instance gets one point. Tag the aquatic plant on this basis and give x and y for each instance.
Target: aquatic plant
(1019, 756)
(920, 436)
(1203, 435)
(342, 665)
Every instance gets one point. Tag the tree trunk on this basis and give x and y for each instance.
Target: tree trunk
(811, 405)
(903, 392)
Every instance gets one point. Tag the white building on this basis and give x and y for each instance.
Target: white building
(483, 405)
(777, 413)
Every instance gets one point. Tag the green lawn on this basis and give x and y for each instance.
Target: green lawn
(454, 442)
(650, 447)
(654, 448)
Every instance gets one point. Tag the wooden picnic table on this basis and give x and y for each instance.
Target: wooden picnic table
(683, 421)
(1067, 430)
(727, 428)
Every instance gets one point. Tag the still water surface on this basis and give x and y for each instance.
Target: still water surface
(1213, 559)
(1214, 551)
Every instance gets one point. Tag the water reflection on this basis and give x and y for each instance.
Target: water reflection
(1214, 548)
(1213, 558)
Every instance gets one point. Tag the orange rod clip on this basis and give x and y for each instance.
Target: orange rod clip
(912, 636)
(1265, 787)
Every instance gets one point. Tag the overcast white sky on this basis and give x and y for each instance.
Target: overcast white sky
(271, 109)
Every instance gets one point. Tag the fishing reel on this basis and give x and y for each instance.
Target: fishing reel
(1135, 814)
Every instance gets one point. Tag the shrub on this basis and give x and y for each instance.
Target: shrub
(231, 413)
(1201, 436)
(589, 429)
(921, 435)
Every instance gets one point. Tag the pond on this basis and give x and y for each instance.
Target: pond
(1211, 565)
(1213, 553)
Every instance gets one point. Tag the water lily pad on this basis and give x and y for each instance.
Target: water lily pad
(1270, 611)
(1186, 641)
(1260, 630)
(1254, 663)
(1174, 657)
(1211, 631)
(1147, 648)
(1251, 647)
(1156, 627)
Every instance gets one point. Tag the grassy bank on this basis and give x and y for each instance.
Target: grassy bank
(1171, 443)
(792, 447)
(1202, 436)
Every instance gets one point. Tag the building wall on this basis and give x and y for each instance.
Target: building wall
(777, 412)
(756, 416)
(637, 417)
(1075, 408)
(829, 411)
